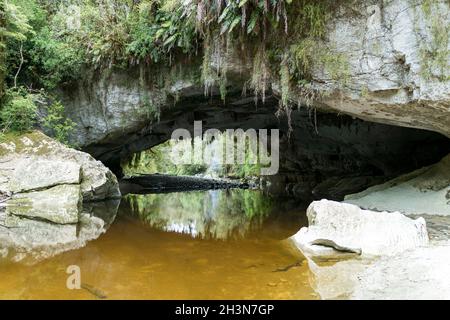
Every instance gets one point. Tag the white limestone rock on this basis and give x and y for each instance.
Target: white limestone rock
(346, 227)
(34, 174)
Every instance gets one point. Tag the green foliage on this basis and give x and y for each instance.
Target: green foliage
(336, 64)
(56, 122)
(60, 39)
(56, 61)
(312, 17)
(14, 27)
(247, 17)
(114, 33)
(259, 81)
(208, 76)
(18, 113)
(302, 57)
(106, 33)
(65, 36)
(309, 54)
(159, 28)
(157, 160)
(15, 23)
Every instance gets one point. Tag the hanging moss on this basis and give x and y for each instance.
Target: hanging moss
(261, 73)
(285, 81)
(208, 76)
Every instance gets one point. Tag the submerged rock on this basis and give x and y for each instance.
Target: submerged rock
(421, 273)
(335, 226)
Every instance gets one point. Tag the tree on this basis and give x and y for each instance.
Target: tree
(14, 26)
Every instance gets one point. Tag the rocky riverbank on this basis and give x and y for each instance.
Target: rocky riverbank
(159, 183)
(47, 189)
(383, 255)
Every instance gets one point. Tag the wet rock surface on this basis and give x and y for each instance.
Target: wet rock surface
(421, 273)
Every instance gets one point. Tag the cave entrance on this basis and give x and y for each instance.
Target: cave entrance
(321, 154)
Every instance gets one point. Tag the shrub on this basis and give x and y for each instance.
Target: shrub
(58, 61)
(19, 112)
(55, 121)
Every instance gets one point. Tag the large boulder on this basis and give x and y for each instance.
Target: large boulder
(33, 161)
(335, 226)
(45, 180)
(419, 273)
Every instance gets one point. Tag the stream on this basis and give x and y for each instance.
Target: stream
(210, 244)
(215, 244)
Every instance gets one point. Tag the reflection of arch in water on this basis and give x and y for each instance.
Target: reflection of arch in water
(218, 214)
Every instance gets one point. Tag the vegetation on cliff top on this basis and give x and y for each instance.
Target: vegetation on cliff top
(48, 44)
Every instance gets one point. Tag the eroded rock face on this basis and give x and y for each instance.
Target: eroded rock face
(424, 191)
(385, 72)
(322, 149)
(34, 162)
(335, 226)
(389, 77)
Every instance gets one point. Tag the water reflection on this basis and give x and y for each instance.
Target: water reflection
(137, 259)
(30, 240)
(217, 214)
